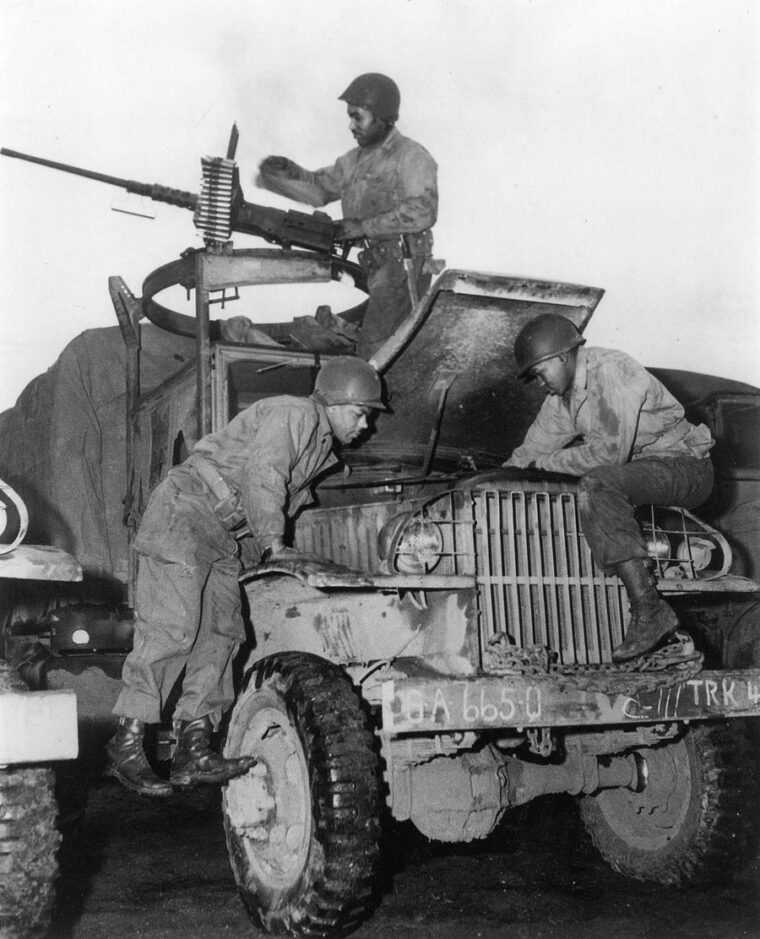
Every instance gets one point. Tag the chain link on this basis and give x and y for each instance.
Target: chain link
(673, 663)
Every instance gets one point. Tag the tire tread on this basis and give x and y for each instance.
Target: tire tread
(725, 832)
(345, 786)
(29, 841)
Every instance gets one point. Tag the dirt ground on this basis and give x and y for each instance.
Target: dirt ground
(132, 867)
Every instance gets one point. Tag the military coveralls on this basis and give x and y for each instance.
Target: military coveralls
(392, 188)
(187, 593)
(635, 448)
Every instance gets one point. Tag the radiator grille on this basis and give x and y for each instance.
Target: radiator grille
(536, 578)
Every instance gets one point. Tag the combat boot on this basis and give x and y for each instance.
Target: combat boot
(651, 618)
(195, 762)
(128, 763)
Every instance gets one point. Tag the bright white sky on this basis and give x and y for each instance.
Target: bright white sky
(613, 144)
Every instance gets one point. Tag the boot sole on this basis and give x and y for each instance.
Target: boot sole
(203, 780)
(154, 793)
(189, 777)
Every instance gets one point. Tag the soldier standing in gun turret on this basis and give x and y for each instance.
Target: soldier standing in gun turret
(389, 194)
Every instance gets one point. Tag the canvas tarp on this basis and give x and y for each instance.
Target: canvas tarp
(62, 446)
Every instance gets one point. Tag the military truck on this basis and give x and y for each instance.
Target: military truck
(37, 729)
(466, 668)
(461, 665)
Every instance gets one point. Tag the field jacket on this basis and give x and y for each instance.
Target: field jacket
(269, 454)
(614, 412)
(391, 187)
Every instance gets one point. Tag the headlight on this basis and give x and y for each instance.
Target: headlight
(411, 544)
(695, 553)
(658, 544)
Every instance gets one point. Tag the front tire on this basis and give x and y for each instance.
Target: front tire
(694, 821)
(303, 826)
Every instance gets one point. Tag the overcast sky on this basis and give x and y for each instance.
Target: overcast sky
(613, 144)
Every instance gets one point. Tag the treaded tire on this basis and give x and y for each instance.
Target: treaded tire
(28, 841)
(303, 831)
(696, 819)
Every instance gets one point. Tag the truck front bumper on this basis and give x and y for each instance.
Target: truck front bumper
(414, 705)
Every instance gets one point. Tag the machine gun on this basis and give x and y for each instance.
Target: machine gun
(221, 209)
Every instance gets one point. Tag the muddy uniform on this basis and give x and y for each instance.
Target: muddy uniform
(392, 188)
(187, 593)
(633, 446)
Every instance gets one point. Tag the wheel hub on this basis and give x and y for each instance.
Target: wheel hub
(653, 812)
(250, 804)
(270, 807)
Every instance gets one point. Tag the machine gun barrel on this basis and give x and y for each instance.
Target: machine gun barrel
(315, 232)
(178, 197)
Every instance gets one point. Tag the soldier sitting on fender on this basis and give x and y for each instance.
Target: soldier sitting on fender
(636, 447)
(389, 194)
(256, 470)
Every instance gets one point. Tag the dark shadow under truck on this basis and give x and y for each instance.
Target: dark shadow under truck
(465, 668)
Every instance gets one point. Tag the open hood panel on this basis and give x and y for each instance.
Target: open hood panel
(450, 373)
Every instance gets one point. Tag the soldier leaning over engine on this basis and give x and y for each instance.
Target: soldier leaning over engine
(256, 471)
(389, 194)
(609, 421)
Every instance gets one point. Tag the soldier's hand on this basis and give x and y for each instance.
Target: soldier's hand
(279, 166)
(279, 552)
(299, 564)
(349, 229)
(518, 469)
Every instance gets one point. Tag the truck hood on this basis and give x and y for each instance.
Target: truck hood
(451, 379)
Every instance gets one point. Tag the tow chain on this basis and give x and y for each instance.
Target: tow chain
(674, 662)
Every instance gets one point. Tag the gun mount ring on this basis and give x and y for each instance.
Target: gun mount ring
(242, 268)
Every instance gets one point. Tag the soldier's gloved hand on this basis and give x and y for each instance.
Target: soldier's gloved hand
(515, 469)
(279, 552)
(349, 229)
(300, 564)
(279, 166)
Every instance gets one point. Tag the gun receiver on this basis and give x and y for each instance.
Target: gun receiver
(315, 232)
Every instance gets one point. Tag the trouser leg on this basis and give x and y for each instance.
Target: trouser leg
(207, 686)
(608, 497)
(167, 596)
(389, 303)
(607, 502)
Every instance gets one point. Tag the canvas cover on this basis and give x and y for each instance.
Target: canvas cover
(62, 446)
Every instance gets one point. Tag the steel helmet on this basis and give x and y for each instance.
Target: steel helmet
(348, 380)
(544, 337)
(377, 93)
